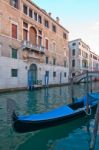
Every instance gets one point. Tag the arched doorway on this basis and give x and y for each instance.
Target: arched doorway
(32, 75)
(32, 35)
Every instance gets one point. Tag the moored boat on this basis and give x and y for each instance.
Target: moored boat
(55, 117)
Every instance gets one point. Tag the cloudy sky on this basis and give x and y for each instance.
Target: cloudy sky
(80, 17)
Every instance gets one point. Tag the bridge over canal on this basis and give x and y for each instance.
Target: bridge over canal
(91, 75)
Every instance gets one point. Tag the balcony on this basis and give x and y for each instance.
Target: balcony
(29, 46)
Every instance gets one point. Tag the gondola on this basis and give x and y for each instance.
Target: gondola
(55, 117)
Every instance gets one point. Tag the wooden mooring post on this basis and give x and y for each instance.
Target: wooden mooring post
(72, 89)
(91, 84)
(95, 130)
(87, 92)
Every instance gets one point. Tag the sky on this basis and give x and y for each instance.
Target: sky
(79, 17)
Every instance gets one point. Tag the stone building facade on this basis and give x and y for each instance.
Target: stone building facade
(81, 58)
(33, 46)
(94, 61)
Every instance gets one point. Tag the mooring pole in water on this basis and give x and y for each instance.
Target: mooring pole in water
(72, 90)
(93, 141)
(87, 92)
(91, 83)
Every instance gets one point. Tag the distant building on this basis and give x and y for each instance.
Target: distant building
(94, 61)
(81, 58)
(33, 46)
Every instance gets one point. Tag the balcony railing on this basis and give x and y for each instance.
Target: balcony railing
(28, 45)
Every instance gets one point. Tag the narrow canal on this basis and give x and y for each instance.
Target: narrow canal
(75, 135)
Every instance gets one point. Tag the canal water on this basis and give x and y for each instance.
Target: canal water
(75, 135)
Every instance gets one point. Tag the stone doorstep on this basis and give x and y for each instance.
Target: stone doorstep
(36, 85)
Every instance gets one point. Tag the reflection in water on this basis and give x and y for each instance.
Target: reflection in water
(64, 137)
(46, 97)
(56, 138)
(89, 132)
(31, 102)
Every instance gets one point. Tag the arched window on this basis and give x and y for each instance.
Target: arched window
(33, 36)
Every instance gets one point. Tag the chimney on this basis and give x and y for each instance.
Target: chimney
(57, 19)
(49, 14)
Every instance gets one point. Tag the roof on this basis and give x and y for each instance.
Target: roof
(79, 39)
(44, 12)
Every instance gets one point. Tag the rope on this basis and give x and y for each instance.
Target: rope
(89, 112)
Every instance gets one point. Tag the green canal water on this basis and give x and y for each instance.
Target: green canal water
(75, 135)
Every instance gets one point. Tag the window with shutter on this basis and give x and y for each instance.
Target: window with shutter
(39, 19)
(46, 44)
(25, 32)
(46, 23)
(35, 16)
(14, 31)
(54, 61)
(73, 52)
(30, 13)
(14, 53)
(64, 74)
(54, 74)
(73, 63)
(39, 40)
(25, 9)
(46, 60)
(14, 72)
(53, 28)
(64, 35)
(64, 63)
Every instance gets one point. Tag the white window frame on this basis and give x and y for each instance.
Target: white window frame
(25, 29)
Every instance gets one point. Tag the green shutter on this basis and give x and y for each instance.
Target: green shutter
(14, 72)
(14, 53)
